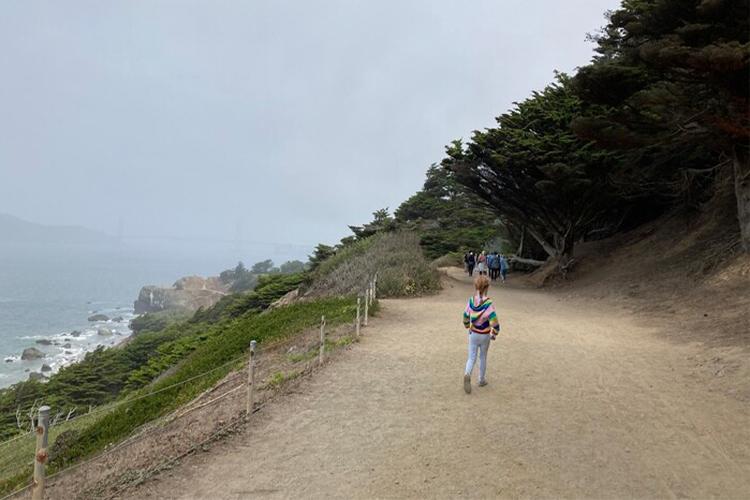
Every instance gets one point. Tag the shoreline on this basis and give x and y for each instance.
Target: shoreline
(66, 347)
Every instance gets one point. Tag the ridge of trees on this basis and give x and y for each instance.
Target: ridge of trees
(657, 120)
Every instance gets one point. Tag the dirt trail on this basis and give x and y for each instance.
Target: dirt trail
(581, 402)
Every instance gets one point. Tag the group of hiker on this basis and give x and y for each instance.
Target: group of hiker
(494, 264)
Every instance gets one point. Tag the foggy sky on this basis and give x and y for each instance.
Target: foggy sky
(278, 121)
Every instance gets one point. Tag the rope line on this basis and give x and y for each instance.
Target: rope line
(20, 436)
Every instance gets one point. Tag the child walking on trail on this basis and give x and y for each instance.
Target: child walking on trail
(480, 319)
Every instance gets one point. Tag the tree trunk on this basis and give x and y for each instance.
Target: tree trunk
(550, 249)
(742, 193)
(530, 262)
(520, 244)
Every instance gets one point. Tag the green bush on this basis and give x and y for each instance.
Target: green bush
(157, 321)
(229, 342)
(397, 259)
(449, 260)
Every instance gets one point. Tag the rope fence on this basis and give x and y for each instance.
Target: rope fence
(263, 363)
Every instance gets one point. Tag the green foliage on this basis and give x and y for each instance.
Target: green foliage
(292, 267)
(536, 173)
(157, 321)
(448, 217)
(321, 254)
(262, 267)
(449, 260)
(163, 340)
(396, 257)
(381, 222)
(209, 362)
(270, 288)
(673, 78)
(277, 379)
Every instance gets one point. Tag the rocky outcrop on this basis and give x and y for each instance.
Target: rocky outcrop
(99, 317)
(31, 353)
(289, 298)
(46, 368)
(188, 294)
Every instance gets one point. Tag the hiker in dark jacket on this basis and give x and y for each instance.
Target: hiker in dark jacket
(470, 263)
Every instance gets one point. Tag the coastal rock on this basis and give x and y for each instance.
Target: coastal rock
(187, 294)
(68, 352)
(66, 346)
(46, 368)
(75, 333)
(8, 360)
(44, 342)
(118, 319)
(36, 376)
(287, 299)
(104, 331)
(31, 353)
(99, 317)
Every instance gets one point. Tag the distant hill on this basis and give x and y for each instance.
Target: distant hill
(15, 232)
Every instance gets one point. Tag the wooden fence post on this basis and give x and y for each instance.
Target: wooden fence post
(367, 303)
(250, 394)
(40, 459)
(322, 338)
(356, 327)
(375, 287)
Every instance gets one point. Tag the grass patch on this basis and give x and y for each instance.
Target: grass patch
(277, 379)
(298, 357)
(17, 458)
(212, 358)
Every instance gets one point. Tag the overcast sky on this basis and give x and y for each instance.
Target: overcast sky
(282, 121)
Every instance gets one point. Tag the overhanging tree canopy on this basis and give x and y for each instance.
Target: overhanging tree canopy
(537, 173)
(675, 75)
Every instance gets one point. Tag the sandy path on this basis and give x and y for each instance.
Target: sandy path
(581, 403)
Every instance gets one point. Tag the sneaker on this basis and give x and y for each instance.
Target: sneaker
(467, 383)
(482, 383)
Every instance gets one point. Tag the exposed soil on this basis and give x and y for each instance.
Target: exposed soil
(587, 398)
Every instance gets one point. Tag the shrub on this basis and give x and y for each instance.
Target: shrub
(397, 259)
(449, 260)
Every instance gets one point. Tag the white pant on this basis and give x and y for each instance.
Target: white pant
(480, 342)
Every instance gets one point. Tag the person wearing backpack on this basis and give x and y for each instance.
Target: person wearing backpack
(480, 319)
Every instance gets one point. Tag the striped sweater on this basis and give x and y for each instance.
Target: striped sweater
(480, 316)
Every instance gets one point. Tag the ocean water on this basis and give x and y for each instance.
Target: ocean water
(48, 295)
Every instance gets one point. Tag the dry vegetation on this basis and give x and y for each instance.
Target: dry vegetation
(397, 259)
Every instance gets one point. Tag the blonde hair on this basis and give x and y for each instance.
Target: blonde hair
(482, 284)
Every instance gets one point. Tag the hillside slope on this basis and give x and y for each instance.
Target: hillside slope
(685, 278)
(584, 401)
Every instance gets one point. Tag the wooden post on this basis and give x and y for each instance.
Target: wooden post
(250, 395)
(367, 303)
(375, 287)
(322, 338)
(356, 327)
(40, 459)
